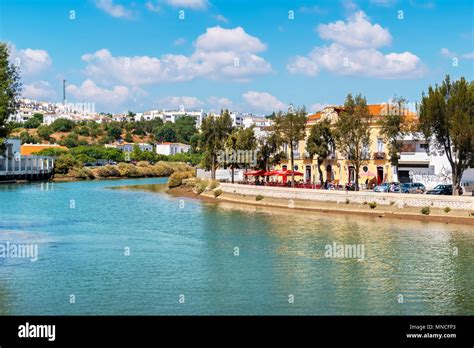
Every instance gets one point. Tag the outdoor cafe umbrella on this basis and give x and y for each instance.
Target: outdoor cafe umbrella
(255, 173)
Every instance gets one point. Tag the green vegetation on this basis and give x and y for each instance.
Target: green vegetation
(426, 210)
(320, 143)
(352, 133)
(217, 193)
(373, 205)
(258, 197)
(348, 200)
(10, 87)
(290, 128)
(447, 209)
(446, 114)
(176, 179)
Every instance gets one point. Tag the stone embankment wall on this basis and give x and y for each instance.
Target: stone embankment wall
(399, 199)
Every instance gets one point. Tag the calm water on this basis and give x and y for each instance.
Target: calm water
(182, 246)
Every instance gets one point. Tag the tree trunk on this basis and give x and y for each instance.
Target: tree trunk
(232, 173)
(320, 172)
(356, 178)
(456, 182)
(213, 168)
(292, 161)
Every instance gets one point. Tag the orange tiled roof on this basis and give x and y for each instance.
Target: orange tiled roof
(30, 149)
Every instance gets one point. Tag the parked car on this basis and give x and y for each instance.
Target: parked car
(412, 187)
(385, 187)
(441, 189)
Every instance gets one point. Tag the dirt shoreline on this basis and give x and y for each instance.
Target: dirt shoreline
(390, 212)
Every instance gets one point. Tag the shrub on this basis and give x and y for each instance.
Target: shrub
(365, 203)
(372, 205)
(447, 210)
(392, 202)
(426, 210)
(81, 173)
(348, 200)
(201, 187)
(217, 193)
(214, 184)
(128, 170)
(259, 197)
(64, 163)
(176, 179)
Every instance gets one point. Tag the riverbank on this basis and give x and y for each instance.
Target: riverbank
(390, 211)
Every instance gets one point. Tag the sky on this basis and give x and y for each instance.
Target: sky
(249, 56)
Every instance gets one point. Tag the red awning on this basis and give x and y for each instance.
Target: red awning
(282, 173)
(255, 173)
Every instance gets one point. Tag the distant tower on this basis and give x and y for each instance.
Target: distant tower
(64, 92)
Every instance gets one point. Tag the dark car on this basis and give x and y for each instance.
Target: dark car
(441, 190)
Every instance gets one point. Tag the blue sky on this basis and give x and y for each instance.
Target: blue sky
(254, 56)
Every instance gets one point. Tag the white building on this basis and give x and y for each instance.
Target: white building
(173, 115)
(168, 148)
(262, 125)
(416, 164)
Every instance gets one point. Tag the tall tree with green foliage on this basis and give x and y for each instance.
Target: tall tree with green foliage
(215, 131)
(239, 146)
(269, 152)
(447, 117)
(290, 128)
(185, 128)
(393, 127)
(352, 133)
(10, 90)
(320, 143)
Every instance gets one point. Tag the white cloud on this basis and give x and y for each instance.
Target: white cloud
(179, 41)
(220, 39)
(354, 52)
(218, 103)
(39, 90)
(384, 3)
(152, 6)
(357, 32)
(219, 54)
(303, 65)
(89, 92)
(449, 54)
(317, 107)
(469, 55)
(31, 61)
(192, 4)
(182, 101)
(112, 9)
(263, 101)
(221, 18)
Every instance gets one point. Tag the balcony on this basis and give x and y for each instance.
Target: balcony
(379, 155)
(414, 157)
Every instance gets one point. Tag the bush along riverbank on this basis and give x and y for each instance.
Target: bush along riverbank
(142, 169)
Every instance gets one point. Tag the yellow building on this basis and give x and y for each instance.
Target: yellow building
(338, 169)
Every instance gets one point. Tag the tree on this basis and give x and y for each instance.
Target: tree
(62, 125)
(114, 130)
(352, 133)
(44, 132)
(128, 137)
(185, 128)
(165, 133)
(320, 143)
(27, 138)
(239, 143)
(269, 153)
(64, 163)
(10, 90)
(35, 121)
(215, 130)
(447, 117)
(290, 128)
(393, 127)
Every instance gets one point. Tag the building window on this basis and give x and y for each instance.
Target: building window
(379, 145)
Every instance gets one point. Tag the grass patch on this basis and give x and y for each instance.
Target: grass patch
(426, 210)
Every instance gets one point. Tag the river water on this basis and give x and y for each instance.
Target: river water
(120, 251)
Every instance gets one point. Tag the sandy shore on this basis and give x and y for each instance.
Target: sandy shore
(390, 212)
